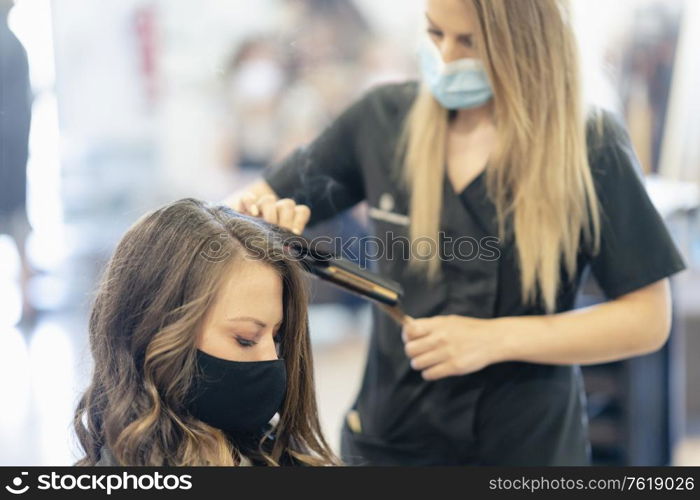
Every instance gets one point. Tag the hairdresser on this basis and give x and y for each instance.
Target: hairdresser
(510, 188)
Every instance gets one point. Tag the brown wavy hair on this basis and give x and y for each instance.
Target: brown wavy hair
(154, 295)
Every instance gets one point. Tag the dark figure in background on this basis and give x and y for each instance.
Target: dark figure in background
(15, 118)
(647, 73)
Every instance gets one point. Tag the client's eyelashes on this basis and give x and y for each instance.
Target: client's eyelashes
(246, 342)
(243, 342)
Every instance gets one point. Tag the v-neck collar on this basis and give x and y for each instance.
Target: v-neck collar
(476, 180)
(473, 201)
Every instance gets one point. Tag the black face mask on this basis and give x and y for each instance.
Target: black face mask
(237, 397)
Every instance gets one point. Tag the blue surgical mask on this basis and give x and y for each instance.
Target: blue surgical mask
(459, 84)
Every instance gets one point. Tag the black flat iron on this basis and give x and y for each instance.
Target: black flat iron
(324, 264)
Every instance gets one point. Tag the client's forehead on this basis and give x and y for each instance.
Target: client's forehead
(252, 289)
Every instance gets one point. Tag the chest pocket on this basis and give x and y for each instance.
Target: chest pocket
(391, 218)
(390, 224)
(389, 209)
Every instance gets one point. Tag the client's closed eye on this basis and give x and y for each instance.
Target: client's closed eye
(248, 340)
(244, 342)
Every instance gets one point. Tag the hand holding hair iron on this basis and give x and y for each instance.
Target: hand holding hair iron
(343, 273)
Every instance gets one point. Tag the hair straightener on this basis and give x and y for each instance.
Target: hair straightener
(324, 264)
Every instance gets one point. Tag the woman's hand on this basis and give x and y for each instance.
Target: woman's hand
(261, 201)
(631, 325)
(444, 346)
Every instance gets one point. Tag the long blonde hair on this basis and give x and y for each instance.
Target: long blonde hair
(539, 172)
(155, 293)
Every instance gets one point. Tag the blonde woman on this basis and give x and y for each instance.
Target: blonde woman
(201, 349)
(509, 189)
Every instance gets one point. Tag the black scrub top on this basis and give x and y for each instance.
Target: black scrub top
(511, 413)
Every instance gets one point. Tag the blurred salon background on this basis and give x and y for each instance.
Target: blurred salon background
(134, 103)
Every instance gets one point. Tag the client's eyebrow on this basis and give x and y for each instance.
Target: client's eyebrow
(436, 26)
(258, 322)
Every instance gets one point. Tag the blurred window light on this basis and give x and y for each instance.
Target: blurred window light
(15, 389)
(52, 366)
(31, 21)
(10, 295)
